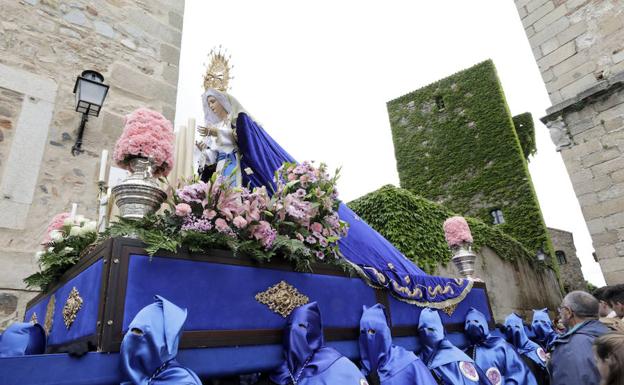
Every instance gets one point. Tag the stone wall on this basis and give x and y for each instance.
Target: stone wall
(45, 45)
(513, 286)
(579, 48)
(569, 270)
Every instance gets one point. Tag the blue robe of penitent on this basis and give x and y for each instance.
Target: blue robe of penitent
(533, 354)
(22, 339)
(392, 364)
(306, 360)
(545, 335)
(149, 348)
(497, 358)
(448, 364)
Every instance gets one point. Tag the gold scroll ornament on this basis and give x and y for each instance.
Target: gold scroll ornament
(72, 306)
(49, 317)
(282, 298)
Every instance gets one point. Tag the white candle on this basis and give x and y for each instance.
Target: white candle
(73, 210)
(103, 160)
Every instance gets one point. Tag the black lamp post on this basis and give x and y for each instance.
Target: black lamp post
(90, 94)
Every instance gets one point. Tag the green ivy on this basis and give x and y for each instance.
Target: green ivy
(414, 225)
(455, 144)
(525, 129)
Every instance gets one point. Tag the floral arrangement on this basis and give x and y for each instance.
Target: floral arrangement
(299, 220)
(457, 231)
(65, 239)
(146, 134)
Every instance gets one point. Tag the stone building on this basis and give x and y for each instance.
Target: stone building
(45, 45)
(579, 49)
(569, 265)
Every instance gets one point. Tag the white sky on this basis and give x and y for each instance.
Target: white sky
(317, 76)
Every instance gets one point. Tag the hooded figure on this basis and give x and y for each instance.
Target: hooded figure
(448, 364)
(306, 360)
(533, 355)
(545, 335)
(498, 359)
(22, 339)
(390, 364)
(149, 348)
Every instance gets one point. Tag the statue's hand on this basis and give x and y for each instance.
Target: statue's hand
(201, 146)
(205, 131)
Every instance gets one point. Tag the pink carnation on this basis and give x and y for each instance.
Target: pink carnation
(316, 227)
(222, 226)
(210, 214)
(55, 224)
(146, 134)
(456, 231)
(183, 209)
(239, 222)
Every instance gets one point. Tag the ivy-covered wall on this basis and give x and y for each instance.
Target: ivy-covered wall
(525, 129)
(414, 226)
(455, 144)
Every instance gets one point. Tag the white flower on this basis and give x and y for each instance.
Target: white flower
(75, 231)
(56, 235)
(38, 255)
(69, 221)
(50, 249)
(80, 219)
(68, 249)
(89, 227)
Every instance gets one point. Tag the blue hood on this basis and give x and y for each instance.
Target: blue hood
(22, 339)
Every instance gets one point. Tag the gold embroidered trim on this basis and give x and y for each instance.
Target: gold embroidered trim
(416, 292)
(72, 306)
(282, 298)
(49, 317)
(33, 318)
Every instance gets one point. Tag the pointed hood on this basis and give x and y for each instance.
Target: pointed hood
(151, 340)
(476, 326)
(437, 350)
(376, 349)
(22, 339)
(541, 324)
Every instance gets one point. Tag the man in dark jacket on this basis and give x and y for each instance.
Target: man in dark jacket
(572, 360)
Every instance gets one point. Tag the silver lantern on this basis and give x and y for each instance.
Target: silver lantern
(464, 259)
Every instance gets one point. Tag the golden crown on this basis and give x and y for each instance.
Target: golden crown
(218, 70)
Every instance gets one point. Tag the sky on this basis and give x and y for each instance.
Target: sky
(317, 76)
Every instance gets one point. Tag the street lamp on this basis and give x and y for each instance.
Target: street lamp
(541, 256)
(90, 94)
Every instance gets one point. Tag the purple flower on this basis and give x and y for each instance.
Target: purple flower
(310, 239)
(300, 193)
(320, 255)
(323, 242)
(192, 223)
(264, 233)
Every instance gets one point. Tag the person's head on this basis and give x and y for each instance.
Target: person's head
(375, 338)
(615, 298)
(541, 324)
(216, 107)
(303, 335)
(601, 295)
(577, 307)
(430, 328)
(476, 326)
(514, 331)
(609, 352)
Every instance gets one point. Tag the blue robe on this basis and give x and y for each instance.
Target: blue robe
(392, 364)
(150, 345)
(22, 339)
(498, 359)
(306, 359)
(448, 364)
(572, 361)
(533, 354)
(376, 257)
(545, 335)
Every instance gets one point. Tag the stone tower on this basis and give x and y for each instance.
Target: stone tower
(456, 144)
(44, 46)
(569, 265)
(579, 49)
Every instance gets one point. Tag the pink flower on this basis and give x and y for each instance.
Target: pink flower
(264, 233)
(456, 231)
(310, 239)
(210, 214)
(239, 222)
(222, 226)
(56, 223)
(182, 209)
(146, 134)
(299, 237)
(316, 227)
(320, 255)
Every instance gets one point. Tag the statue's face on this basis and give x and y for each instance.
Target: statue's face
(216, 107)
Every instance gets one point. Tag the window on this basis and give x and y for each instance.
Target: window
(439, 100)
(497, 216)
(561, 257)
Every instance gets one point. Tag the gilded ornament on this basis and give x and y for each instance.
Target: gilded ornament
(282, 298)
(218, 71)
(49, 318)
(450, 309)
(72, 306)
(33, 318)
